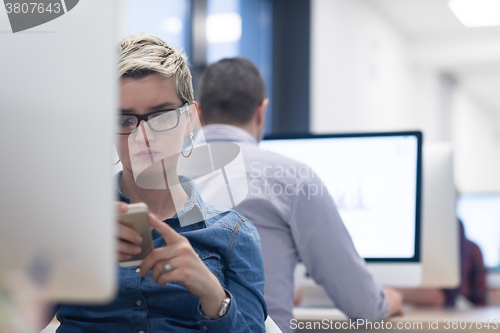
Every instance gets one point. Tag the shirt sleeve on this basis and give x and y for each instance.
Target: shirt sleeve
(244, 282)
(222, 324)
(326, 249)
(476, 277)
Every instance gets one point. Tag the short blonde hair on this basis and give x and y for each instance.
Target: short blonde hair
(144, 54)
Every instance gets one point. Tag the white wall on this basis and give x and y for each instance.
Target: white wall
(476, 137)
(365, 77)
(360, 76)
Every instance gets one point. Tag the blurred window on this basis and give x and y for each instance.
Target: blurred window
(234, 28)
(167, 19)
(480, 214)
(242, 28)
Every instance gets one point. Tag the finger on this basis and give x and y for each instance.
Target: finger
(180, 255)
(176, 275)
(168, 233)
(129, 234)
(121, 207)
(157, 255)
(124, 257)
(159, 268)
(128, 248)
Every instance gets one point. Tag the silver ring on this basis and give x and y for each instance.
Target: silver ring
(167, 266)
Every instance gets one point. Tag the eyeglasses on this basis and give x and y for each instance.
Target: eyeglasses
(158, 121)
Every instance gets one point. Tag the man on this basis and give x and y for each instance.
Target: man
(291, 222)
(472, 280)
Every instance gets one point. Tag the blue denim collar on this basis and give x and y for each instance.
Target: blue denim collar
(192, 215)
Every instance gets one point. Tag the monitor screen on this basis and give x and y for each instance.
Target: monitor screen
(374, 180)
(480, 214)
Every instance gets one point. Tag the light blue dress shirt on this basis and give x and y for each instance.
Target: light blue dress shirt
(294, 224)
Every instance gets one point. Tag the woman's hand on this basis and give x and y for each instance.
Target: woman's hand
(129, 239)
(186, 267)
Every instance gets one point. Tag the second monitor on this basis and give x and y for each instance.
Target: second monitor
(375, 181)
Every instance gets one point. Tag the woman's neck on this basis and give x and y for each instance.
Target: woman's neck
(164, 203)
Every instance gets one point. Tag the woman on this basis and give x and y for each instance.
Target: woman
(206, 276)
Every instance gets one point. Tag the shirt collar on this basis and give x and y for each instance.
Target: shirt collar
(224, 132)
(191, 214)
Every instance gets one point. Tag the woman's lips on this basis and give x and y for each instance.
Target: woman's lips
(146, 155)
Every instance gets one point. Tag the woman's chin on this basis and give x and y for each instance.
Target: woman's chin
(152, 176)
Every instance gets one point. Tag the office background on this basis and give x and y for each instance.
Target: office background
(360, 66)
(354, 65)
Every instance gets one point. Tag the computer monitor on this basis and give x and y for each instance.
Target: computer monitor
(58, 96)
(480, 214)
(440, 232)
(374, 179)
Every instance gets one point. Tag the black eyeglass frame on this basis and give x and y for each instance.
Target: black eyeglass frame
(145, 117)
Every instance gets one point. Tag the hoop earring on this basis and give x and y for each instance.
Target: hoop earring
(192, 146)
(117, 162)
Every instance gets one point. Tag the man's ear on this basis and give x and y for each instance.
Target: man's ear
(261, 111)
(198, 110)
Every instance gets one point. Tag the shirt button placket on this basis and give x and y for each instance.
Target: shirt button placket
(138, 306)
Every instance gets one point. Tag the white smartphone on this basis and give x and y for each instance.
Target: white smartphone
(137, 218)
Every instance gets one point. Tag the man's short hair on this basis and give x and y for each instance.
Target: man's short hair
(230, 92)
(142, 55)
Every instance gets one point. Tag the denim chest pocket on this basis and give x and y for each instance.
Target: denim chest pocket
(212, 260)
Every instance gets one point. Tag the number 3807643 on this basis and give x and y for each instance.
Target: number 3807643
(32, 8)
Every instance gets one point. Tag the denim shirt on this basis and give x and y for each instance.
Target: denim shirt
(228, 244)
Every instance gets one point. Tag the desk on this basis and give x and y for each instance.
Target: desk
(271, 327)
(471, 320)
(51, 328)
